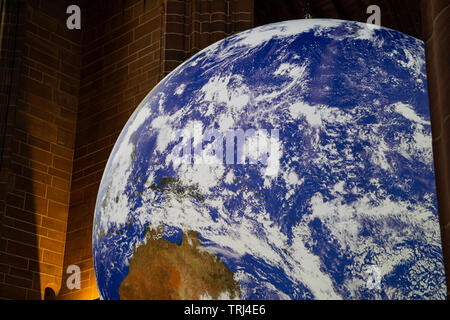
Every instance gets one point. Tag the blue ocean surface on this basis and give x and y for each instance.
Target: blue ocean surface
(353, 185)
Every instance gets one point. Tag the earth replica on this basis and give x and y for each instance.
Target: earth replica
(289, 161)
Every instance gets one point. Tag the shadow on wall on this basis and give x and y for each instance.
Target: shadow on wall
(42, 57)
(19, 253)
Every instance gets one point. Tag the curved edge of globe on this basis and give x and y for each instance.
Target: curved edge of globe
(311, 23)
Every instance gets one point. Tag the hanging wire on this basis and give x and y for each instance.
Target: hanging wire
(307, 10)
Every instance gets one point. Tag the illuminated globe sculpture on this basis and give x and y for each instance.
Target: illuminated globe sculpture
(289, 161)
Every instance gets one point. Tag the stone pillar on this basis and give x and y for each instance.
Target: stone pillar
(121, 63)
(436, 28)
(191, 25)
(41, 58)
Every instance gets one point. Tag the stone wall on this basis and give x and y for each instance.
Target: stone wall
(41, 60)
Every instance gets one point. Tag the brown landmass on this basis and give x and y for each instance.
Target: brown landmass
(162, 270)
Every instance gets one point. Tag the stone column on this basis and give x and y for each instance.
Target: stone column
(436, 28)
